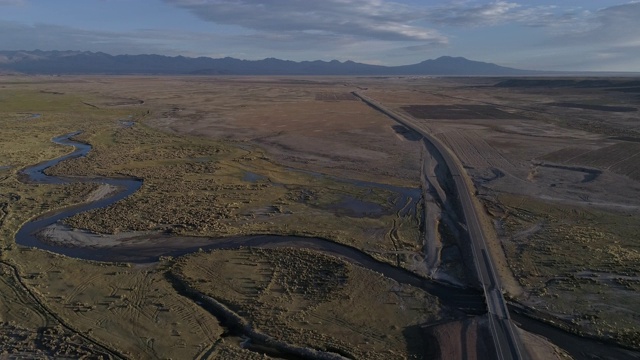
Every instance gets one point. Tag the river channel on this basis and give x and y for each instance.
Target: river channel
(147, 248)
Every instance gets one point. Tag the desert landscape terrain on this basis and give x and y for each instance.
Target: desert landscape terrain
(285, 217)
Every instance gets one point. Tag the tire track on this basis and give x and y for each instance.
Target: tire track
(110, 352)
(20, 297)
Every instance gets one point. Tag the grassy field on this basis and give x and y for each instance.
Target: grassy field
(314, 300)
(196, 186)
(192, 186)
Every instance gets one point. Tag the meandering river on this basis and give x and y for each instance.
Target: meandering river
(145, 248)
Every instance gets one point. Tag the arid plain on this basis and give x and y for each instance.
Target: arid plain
(286, 218)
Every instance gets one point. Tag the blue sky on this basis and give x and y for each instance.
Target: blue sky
(599, 35)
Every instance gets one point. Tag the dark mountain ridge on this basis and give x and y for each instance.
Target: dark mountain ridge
(85, 62)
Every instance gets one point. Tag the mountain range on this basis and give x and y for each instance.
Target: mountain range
(85, 62)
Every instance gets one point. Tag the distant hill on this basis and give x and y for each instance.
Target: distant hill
(84, 62)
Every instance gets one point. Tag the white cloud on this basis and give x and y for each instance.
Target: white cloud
(616, 25)
(609, 30)
(18, 36)
(612, 37)
(365, 19)
(474, 14)
(308, 46)
(550, 37)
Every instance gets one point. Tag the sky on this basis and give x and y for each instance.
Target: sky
(569, 35)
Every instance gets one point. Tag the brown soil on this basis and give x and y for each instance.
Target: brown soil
(571, 170)
(456, 112)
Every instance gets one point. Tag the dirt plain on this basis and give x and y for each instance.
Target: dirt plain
(560, 184)
(225, 156)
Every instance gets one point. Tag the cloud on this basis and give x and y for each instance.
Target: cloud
(612, 36)
(308, 46)
(553, 37)
(363, 19)
(465, 14)
(18, 36)
(474, 14)
(599, 40)
(616, 26)
(608, 29)
(376, 19)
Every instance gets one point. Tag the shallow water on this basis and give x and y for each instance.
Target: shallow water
(353, 207)
(26, 235)
(404, 199)
(252, 177)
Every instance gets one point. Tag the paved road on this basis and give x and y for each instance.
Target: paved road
(505, 337)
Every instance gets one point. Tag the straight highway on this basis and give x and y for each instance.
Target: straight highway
(507, 342)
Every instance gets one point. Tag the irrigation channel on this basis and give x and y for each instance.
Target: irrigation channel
(150, 247)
